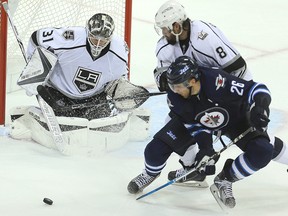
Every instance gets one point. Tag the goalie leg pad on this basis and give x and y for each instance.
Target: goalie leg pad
(139, 124)
(18, 128)
(87, 138)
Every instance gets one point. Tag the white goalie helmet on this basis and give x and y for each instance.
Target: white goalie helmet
(169, 13)
(100, 28)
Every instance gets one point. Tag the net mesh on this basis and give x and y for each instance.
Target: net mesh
(30, 15)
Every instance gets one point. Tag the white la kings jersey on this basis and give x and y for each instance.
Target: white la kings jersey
(76, 74)
(208, 47)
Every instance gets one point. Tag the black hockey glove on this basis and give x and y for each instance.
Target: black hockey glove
(259, 112)
(259, 118)
(204, 155)
(160, 75)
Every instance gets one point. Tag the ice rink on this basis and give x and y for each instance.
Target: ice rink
(97, 186)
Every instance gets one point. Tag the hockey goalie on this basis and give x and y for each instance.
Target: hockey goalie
(78, 77)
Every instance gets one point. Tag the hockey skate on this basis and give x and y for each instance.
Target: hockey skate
(140, 182)
(222, 192)
(194, 179)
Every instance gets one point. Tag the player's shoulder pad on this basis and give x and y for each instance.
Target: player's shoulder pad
(203, 36)
(198, 25)
(216, 75)
(119, 46)
(163, 45)
(211, 71)
(164, 51)
(64, 37)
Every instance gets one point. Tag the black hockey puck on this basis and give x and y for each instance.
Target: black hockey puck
(48, 201)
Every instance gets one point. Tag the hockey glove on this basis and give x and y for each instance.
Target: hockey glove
(160, 76)
(259, 117)
(202, 156)
(259, 112)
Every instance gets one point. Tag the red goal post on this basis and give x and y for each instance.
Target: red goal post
(29, 16)
(3, 48)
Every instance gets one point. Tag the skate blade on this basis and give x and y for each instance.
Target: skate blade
(215, 192)
(197, 184)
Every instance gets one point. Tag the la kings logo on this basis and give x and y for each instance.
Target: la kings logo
(85, 79)
(68, 35)
(202, 35)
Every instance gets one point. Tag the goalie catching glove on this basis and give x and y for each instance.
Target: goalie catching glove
(125, 95)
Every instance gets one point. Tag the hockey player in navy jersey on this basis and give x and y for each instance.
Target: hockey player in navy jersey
(88, 58)
(203, 101)
(209, 47)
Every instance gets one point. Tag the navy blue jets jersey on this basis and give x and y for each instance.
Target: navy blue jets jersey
(222, 103)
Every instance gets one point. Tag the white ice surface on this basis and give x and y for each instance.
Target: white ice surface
(97, 186)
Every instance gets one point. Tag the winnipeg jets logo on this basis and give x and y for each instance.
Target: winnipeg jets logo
(220, 82)
(68, 35)
(213, 118)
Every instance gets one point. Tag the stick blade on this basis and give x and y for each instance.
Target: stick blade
(196, 184)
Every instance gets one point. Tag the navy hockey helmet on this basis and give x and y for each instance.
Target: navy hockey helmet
(100, 28)
(182, 71)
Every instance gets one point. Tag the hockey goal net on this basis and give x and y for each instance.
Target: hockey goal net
(30, 15)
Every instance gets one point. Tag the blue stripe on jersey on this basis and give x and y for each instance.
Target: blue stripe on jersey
(191, 126)
(242, 168)
(154, 170)
(255, 89)
(197, 128)
(195, 133)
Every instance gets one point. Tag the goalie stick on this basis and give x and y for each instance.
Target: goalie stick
(47, 111)
(7, 10)
(203, 164)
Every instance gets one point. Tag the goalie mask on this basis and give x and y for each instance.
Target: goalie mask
(169, 13)
(100, 28)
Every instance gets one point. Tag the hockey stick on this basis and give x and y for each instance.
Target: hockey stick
(203, 164)
(7, 10)
(47, 111)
